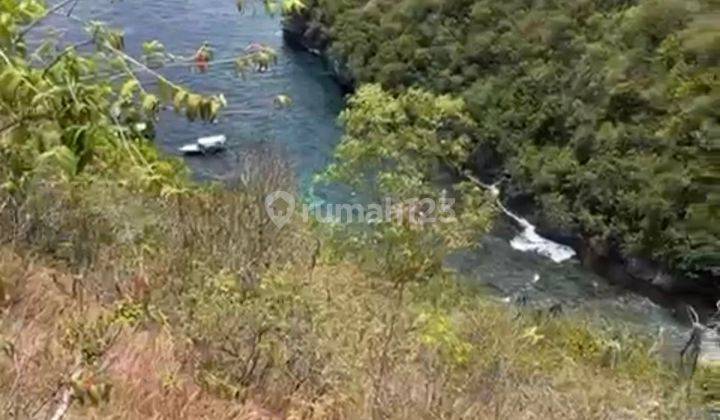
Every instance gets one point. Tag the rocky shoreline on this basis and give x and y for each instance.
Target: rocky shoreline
(297, 33)
(635, 273)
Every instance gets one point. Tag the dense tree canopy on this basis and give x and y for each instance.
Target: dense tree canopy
(606, 111)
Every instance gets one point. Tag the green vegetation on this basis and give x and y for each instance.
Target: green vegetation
(194, 305)
(396, 147)
(605, 111)
(128, 291)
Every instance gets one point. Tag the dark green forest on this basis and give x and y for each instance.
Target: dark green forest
(605, 113)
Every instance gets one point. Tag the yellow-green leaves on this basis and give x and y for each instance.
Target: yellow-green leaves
(215, 106)
(153, 47)
(7, 27)
(292, 6)
(258, 57)
(63, 157)
(14, 15)
(129, 88)
(197, 106)
(165, 91)
(10, 81)
(116, 39)
(394, 145)
(179, 99)
(15, 136)
(402, 136)
(28, 10)
(192, 106)
(103, 36)
(440, 333)
(242, 66)
(49, 134)
(274, 7)
(282, 101)
(65, 112)
(150, 104)
(154, 54)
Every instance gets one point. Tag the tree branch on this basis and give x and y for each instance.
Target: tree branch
(38, 20)
(6, 127)
(63, 54)
(72, 8)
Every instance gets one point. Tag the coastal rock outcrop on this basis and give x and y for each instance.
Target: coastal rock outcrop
(299, 32)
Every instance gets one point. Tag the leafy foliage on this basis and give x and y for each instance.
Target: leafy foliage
(90, 112)
(602, 110)
(393, 148)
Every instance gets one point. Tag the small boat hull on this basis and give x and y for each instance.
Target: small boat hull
(205, 146)
(191, 149)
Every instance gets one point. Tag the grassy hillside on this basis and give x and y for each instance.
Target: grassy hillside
(129, 292)
(142, 306)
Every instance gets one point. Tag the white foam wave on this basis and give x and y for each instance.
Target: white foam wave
(528, 240)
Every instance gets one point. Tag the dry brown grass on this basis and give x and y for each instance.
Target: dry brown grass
(505, 376)
(36, 362)
(365, 356)
(112, 248)
(195, 306)
(150, 371)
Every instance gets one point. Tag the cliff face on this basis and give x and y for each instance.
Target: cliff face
(302, 33)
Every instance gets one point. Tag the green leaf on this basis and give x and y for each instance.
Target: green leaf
(10, 80)
(129, 88)
(165, 91)
(153, 47)
(63, 157)
(292, 6)
(150, 104)
(192, 108)
(204, 109)
(179, 99)
(215, 107)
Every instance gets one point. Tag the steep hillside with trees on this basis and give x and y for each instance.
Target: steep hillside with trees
(605, 114)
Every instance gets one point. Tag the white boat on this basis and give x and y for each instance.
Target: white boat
(205, 145)
(190, 149)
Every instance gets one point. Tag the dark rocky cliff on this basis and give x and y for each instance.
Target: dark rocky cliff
(299, 32)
